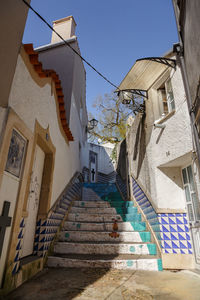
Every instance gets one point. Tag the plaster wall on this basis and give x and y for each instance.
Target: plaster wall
(157, 165)
(78, 132)
(72, 74)
(3, 115)
(105, 164)
(33, 102)
(60, 59)
(12, 21)
(8, 192)
(191, 39)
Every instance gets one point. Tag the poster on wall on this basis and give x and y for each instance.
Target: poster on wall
(15, 154)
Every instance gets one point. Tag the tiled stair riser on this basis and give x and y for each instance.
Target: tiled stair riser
(89, 230)
(123, 226)
(135, 237)
(142, 264)
(111, 249)
(103, 218)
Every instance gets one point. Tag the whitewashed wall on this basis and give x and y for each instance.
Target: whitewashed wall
(32, 102)
(105, 164)
(165, 151)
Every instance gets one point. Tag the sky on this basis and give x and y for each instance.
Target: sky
(112, 34)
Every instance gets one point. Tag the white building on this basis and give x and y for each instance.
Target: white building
(42, 132)
(162, 160)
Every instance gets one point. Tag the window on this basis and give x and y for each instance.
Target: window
(192, 201)
(166, 97)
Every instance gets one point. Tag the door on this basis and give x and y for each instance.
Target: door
(93, 166)
(193, 208)
(33, 202)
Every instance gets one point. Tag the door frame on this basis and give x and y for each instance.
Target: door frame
(43, 140)
(96, 157)
(192, 223)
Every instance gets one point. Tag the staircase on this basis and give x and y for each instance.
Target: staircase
(104, 231)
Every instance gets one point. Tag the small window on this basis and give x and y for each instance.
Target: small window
(166, 97)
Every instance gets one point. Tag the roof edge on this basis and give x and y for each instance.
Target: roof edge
(54, 45)
(33, 57)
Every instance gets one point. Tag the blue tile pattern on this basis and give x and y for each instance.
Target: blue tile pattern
(171, 230)
(46, 229)
(175, 236)
(122, 186)
(16, 263)
(147, 208)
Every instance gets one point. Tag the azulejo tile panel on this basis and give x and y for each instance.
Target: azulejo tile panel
(171, 230)
(16, 263)
(175, 235)
(46, 229)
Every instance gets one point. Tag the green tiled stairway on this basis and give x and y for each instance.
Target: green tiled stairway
(104, 231)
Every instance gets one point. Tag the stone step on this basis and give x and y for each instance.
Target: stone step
(123, 226)
(92, 248)
(103, 204)
(91, 204)
(93, 210)
(119, 262)
(104, 210)
(103, 218)
(90, 236)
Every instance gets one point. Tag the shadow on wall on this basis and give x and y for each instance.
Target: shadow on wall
(121, 163)
(140, 145)
(174, 174)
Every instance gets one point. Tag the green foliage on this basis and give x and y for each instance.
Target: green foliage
(114, 154)
(112, 117)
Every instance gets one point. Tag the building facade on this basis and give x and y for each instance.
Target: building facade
(187, 14)
(162, 161)
(40, 159)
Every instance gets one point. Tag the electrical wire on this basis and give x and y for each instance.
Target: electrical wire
(66, 43)
(137, 105)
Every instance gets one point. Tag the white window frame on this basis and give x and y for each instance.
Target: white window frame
(166, 87)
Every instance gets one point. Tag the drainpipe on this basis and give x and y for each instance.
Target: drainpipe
(178, 49)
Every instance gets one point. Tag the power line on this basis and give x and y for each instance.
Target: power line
(66, 43)
(137, 106)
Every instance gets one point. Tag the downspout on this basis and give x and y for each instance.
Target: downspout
(178, 49)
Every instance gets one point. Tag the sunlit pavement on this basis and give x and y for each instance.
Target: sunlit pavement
(109, 284)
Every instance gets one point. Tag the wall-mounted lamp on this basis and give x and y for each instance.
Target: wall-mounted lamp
(91, 124)
(125, 97)
(162, 126)
(130, 96)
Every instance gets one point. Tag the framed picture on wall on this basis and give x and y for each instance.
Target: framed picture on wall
(16, 154)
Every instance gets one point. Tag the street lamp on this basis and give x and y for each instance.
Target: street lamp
(125, 97)
(129, 96)
(91, 124)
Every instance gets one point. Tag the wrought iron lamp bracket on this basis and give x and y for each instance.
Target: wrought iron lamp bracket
(162, 60)
(141, 93)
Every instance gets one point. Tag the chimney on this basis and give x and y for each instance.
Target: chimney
(65, 27)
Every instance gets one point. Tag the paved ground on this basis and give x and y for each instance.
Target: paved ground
(102, 284)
